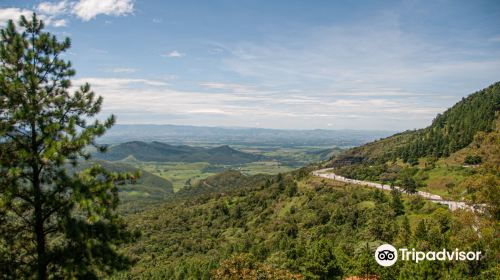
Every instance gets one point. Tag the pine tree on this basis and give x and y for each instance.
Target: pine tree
(421, 232)
(366, 264)
(321, 262)
(397, 203)
(52, 222)
(405, 231)
(291, 188)
(409, 184)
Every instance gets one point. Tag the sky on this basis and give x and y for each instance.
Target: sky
(369, 65)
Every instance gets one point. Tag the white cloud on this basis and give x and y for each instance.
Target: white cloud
(13, 14)
(366, 57)
(53, 8)
(157, 20)
(210, 111)
(122, 70)
(59, 23)
(174, 53)
(16, 13)
(114, 83)
(89, 9)
(136, 100)
(56, 13)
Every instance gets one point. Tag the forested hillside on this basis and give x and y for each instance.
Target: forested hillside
(456, 127)
(295, 226)
(449, 132)
(455, 157)
(147, 186)
(161, 152)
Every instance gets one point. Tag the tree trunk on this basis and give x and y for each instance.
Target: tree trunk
(39, 228)
(40, 237)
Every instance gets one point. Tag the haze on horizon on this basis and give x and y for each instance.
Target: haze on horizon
(390, 65)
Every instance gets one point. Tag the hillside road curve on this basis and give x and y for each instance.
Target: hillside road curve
(453, 205)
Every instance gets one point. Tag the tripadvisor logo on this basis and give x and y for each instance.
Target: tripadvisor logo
(387, 255)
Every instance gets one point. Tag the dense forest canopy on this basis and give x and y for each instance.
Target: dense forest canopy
(295, 226)
(455, 157)
(457, 126)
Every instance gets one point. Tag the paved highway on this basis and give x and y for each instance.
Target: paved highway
(453, 205)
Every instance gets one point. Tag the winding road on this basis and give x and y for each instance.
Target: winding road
(453, 205)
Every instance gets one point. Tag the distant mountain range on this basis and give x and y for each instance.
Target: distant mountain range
(192, 135)
(162, 152)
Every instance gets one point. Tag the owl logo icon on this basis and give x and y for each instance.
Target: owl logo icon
(386, 255)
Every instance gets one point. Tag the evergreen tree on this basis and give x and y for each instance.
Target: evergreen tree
(409, 184)
(366, 264)
(291, 188)
(397, 203)
(405, 231)
(321, 262)
(473, 159)
(53, 222)
(421, 232)
(455, 128)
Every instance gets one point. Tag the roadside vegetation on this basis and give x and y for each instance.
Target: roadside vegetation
(301, 227)
(456, 157)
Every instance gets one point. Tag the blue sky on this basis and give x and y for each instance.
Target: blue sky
(390, 65)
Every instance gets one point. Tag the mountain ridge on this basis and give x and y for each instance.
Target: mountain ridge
(449, 132)
(162, 152)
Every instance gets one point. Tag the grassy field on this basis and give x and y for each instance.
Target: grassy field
(178, 173)
(181, 174)
(264, 167)
(446, 180)
(279, 160)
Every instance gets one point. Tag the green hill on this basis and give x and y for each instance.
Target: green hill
(455, 157)
(148, 187)
(449, 132)
(457, 126)
(223, 182)
(161, 152)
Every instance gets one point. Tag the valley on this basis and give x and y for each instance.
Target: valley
(249, 140)
(184, 165)
(287, 216)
